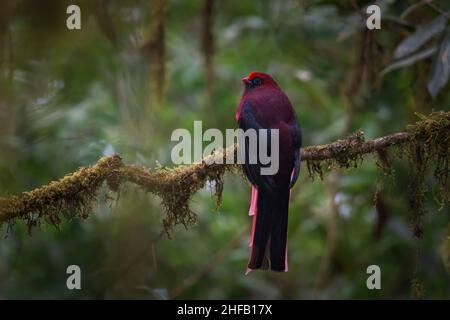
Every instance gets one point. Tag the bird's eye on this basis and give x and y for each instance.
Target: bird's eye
(256, 81)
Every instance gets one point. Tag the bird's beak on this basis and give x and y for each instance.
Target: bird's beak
(245, 80)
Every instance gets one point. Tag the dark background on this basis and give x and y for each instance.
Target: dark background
(137, 70)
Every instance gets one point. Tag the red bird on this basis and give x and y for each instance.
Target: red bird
(264, 106)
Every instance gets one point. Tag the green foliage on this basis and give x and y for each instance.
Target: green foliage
(69, 97)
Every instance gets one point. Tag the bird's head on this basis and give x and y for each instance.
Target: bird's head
(258, 86)
(258, 80)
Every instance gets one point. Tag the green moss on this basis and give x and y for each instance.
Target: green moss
(341, 158)
(384, 163)
(75, 194)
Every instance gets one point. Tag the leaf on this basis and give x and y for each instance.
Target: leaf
(411, 9)
(426, 53)
(418, 38)
(440, 70)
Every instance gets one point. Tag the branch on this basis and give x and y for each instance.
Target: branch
(352, 146)
(75, 194)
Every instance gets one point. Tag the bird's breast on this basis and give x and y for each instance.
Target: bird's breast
(272, 109)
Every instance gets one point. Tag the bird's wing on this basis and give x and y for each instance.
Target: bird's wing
(297, 143)
(248, 121)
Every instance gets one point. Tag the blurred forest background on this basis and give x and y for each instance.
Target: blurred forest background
(138, 69)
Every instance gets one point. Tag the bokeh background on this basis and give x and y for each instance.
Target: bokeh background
(138, 69)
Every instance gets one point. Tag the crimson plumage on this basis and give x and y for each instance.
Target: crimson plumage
(264, 106)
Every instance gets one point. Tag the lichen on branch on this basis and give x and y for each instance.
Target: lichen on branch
(425, 142)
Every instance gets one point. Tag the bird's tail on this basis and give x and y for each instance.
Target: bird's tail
(269, 232)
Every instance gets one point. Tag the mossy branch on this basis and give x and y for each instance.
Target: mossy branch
(75, 194)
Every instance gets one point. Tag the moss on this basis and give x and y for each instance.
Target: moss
(384, 163)
(425, 142)
(429, 144)
(176, 186)
(445, 250)
(71, 196)
(341, 157)
(417, 289)
(75, 194)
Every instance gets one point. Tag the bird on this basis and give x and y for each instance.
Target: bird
(264, 106)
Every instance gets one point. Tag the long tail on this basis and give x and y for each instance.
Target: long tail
(269, 234)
